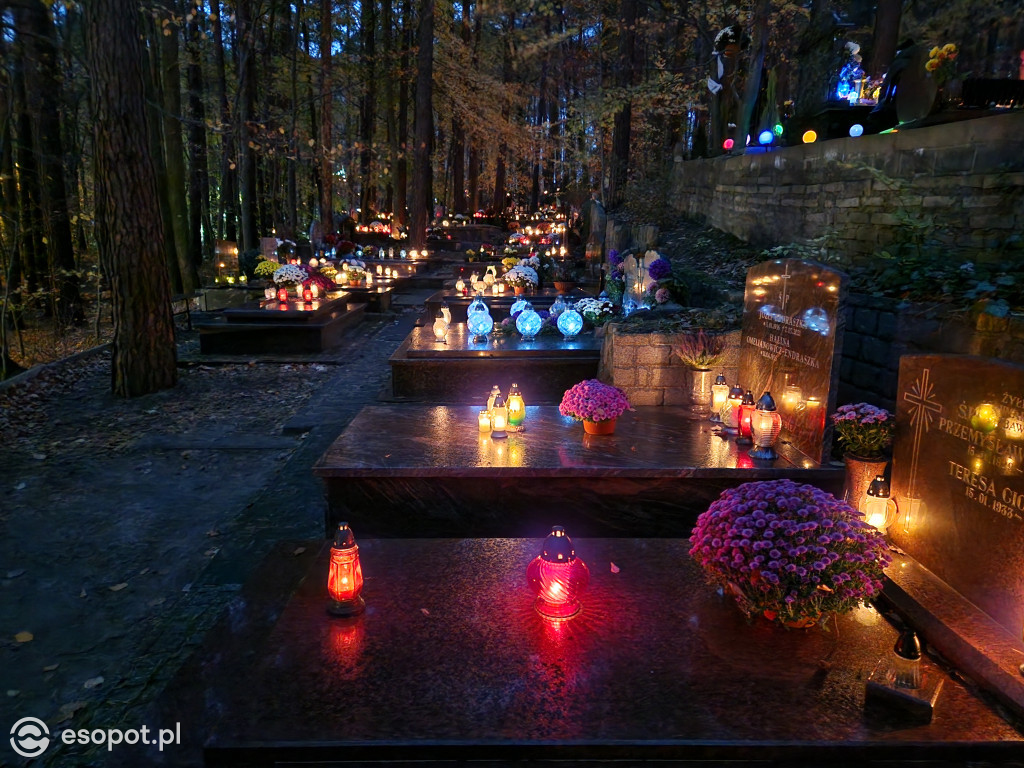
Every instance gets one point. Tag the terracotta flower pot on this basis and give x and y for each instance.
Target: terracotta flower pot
(802, 623)
(599, 427)
(519, 289)
(564, 286)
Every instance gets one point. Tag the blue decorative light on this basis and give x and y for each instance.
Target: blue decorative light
(558, 307)
(817, 320)
(856, 130)
(477, 305)
(570, 323)
(518, 306)
(528, 323)
(765, 137)
(480, 324)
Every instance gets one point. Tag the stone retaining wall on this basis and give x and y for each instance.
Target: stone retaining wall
(962, 181)
(644, 367)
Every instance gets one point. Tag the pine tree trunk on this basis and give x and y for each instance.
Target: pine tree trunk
(228, 166)
(402, 171)
(368, 201)
(246, 46)
(174, 152)
(759, 47)
(623, 118)
(326, 120)
(422, 176)
(128, 215)
(886, 36)
(32, 251)
(200, 229)
(43, 90)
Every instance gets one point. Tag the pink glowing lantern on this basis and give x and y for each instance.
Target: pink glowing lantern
(282, 294)
(345, 576)
(557, 577)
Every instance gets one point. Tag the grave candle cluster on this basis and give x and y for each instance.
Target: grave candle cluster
(502, 416)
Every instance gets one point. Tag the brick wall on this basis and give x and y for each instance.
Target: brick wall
(644, 367)
(966, 177)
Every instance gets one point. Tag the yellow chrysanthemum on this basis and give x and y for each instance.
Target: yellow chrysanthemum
(948, 48)
(934, 52)
(932, 65)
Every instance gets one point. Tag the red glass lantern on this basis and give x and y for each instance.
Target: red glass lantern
(746, 413)
(307, 295)
(731, 411)
(345, 577)
(282, 294)
(557, 577)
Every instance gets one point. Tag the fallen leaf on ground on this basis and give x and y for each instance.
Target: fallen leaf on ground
(117, 587)
(211, 552)
(23, 637)
(156, 601)
(19, 487)
(424, 611)
(93, 682)
(615, 568)
(15, 573)
(213, 532)
(50, 667)
(67, 711)
(12, 693)
(299, 550)
(39, 456)
(82, 594)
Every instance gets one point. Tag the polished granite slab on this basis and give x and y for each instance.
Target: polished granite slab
(451, 662)
(376, 297)
(499, 306)
(421, 470)
(461, 368)
(273, 327)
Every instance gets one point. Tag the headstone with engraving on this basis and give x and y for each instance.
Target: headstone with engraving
(957, 477)
(792, 345)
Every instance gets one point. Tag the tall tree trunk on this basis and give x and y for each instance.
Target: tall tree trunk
(402, 171)
(174, 151)
(326, 119)
(421, 174)
(814, 54)
(623, 118)
(758, 49)
(43, 91)
(154, 125)
(369, 107)
(10, 233)
(128, 213)
(886, 36)
(458, 168)
(294, 151)
(387, 56)
(229, 133)
(245, 44)
(32, 251)
(498, 203)
(200, 229)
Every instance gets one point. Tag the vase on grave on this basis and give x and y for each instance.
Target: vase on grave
(860, 471)
(700, 390)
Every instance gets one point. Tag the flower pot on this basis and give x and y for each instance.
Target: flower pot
(519, 289)
(563, 286)
(801, 623)
(860, 471)
(599, 427)
(700, 390)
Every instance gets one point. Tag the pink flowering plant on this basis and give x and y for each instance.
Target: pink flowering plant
(863, 429)
(592, 400)
(789, 551)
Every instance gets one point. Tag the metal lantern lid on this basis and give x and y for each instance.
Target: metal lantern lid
(499, 401)
(720, 378)
(736, 392)
(343, 537)
(558, 547)
(514, 390)
(879, 487)
(908, 646)
(748, 398)
(766, 402)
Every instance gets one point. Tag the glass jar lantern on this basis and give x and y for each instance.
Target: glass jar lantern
(765, 425)
(529, 323)
(570, 323)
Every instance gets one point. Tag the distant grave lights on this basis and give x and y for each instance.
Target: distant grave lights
(778, 129)
(728, 144)
(765, 138)
(810, 137)
(856, 130)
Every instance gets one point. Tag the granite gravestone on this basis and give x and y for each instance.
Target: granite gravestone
(792, 345)
(957, 477)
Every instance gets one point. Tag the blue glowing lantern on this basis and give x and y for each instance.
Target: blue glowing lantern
(480, 324)
(528, 323)
(765, 138)
(477, 305)
(570, 323)
(518, 306)
(558, 307)
(856, 130)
